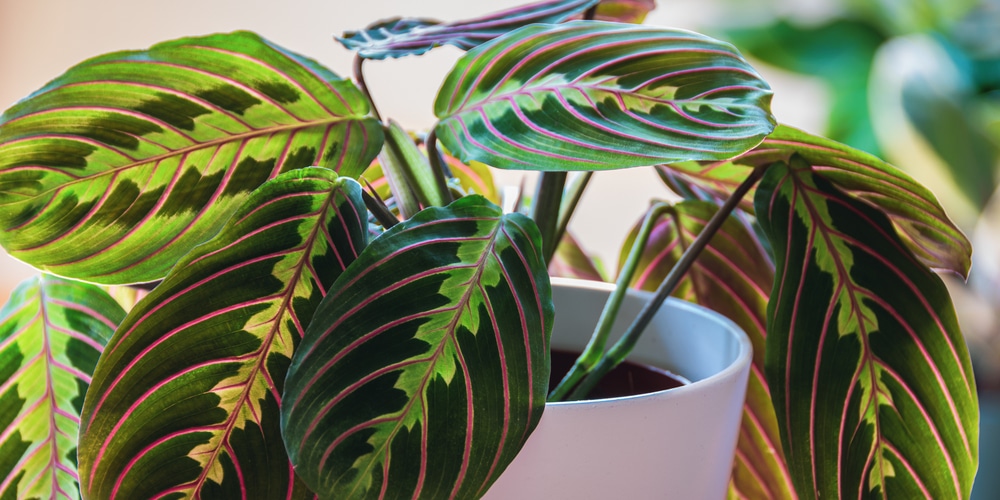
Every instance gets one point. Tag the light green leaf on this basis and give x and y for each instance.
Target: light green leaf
(52, 332)
(117, 168)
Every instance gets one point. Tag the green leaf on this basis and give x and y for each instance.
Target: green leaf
(731, 277)
(869, 372)
(914, 211)
(399, 37)
(596, 95)
(426, 366)
(52, 332)
(117, 168)
(185, 400)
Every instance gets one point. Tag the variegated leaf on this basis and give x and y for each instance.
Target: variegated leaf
(427, 365)
(921, 221)
(114, 170)
(52, 332)
(185, 400)
(732, 277)
(868, 369)
(400, 37)
(596, 95)
(474, 178)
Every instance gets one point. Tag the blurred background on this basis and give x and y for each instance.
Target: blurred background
(914, 81)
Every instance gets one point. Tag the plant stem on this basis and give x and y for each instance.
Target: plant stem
(545, 210)
(359, 75)
(589, 14)
(377, 207)
(595, 348)
(571, 198)
(438, 166)
(624, 346)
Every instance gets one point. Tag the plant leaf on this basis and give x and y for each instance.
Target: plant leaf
(595, 95)
(869, 372)
(117, 168)
(731, 277)
(914, 211)
(400, 37)
(623, 11)
(51, 333)
(427, 365)
(185, 400)
(572, 261)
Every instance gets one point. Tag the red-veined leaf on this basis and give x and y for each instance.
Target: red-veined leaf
(571, 261)
(732, 277)
(185, 400)
(117, 168)
(921, 221)
(400, 37)
(52, 332)
(597, 95)
(426, 367)
(869, 372)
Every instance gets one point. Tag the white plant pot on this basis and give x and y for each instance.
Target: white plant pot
(677, 443)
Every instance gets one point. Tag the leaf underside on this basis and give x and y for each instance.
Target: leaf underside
(868, 369)
(597, 95)
(731, 277)
(399, 37)
(52, 332)
(117, 168)
(185, 401)
(426, 367)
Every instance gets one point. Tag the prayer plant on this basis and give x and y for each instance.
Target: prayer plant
(300, 336)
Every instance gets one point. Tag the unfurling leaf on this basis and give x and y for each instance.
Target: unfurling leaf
(426, 367)
(185, 401)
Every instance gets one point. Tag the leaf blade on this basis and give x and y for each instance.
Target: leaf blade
(465, 332)
(898, 398)
(51, 333)
(595, 95)
(115, 169)
(399, 37)
(186, 400)
(731, 277)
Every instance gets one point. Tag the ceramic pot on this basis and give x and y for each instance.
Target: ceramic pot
(677, 443)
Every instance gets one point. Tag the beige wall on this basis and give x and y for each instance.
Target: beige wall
(41, 38)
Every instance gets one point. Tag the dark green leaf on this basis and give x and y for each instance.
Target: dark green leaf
(427, 365)
(868, 369)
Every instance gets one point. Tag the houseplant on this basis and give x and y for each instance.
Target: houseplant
(118, 169)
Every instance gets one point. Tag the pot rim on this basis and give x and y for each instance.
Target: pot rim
(742, 358)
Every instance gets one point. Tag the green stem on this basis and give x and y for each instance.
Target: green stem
(624, 346)
(571, 198)
(359, 75)
(438, 167)
(545, 209)
(595, 348)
